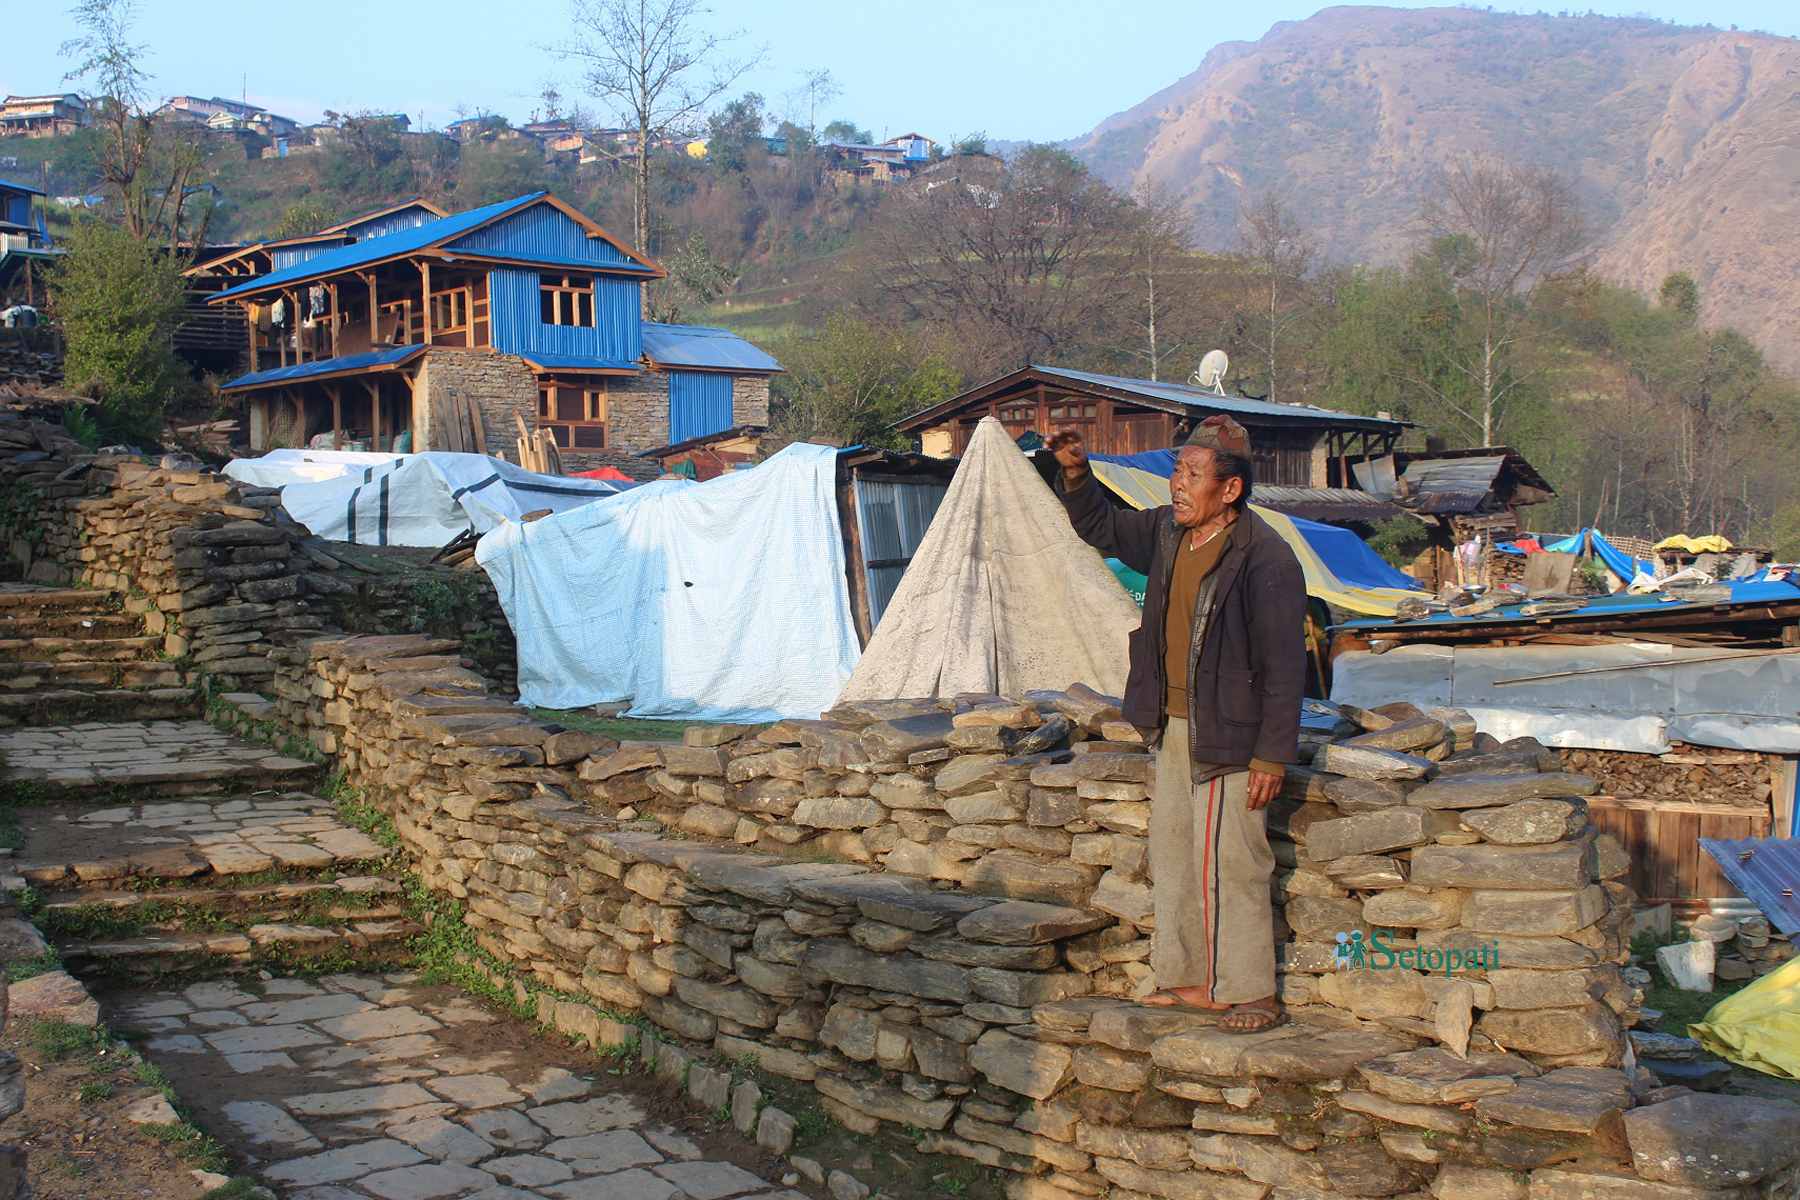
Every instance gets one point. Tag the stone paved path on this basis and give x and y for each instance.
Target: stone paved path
(185, 756)
(181, 839)
(366, 1087)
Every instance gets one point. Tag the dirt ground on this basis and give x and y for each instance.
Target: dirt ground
(86, 1149)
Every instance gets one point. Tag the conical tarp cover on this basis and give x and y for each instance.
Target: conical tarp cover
(1001, 596)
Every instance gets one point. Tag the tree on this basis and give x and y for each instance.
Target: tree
(852, 380)
(1510, 227)
(119, 300)
(734, 134)
(147, 169)
(302, 217)
(815, 88)
(845, 131)
(650, 61)
(492, 171)
(1163, 232)
(695, 277)
(1681, 296)
(1281, 253)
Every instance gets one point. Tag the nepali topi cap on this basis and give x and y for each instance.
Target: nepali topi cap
(1221, 434)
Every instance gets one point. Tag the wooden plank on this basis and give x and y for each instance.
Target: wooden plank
(425, 307)
(336, 316)
(337, 414)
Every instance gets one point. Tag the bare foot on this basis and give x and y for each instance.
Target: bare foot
(1190, 997)
(1254, 1015)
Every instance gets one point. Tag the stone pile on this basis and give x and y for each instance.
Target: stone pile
(978, 989)
(1695, 774)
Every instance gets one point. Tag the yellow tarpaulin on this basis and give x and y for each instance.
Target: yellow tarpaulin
(1759, 1026)
(1712, 543)
(1145, 489)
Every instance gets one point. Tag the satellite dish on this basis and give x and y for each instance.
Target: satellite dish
(1212, 370)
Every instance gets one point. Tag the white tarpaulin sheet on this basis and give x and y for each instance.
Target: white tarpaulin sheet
(719, 601)
(1002, 596)
(1750, 702)
(427, 499)
(278, 468)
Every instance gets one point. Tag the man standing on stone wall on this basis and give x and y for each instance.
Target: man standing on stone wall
(1218, 665)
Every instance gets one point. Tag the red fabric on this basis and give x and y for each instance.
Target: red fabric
(612, 473)
(1528, 544)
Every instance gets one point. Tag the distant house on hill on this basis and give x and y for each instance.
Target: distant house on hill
(455, 330)
(1296, 445)
(24, 239)
(220, 113)
(42, 116)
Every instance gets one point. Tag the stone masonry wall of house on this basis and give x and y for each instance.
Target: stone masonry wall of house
(501, 385)
(935, 913)
(637, 412)
(750, 400)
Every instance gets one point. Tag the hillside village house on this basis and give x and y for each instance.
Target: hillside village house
(1297, 446)
(42, 116)
(520, 311)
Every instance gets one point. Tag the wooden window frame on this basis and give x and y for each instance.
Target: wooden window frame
(591, 430)
(563, 300)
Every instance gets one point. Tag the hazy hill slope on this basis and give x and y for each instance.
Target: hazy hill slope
(1685, 141)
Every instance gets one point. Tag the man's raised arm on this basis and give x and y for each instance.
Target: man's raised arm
(1124, 534)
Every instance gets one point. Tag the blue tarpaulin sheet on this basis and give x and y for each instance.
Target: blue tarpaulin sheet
(1616, 560)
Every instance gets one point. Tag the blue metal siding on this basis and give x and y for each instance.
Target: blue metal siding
(542, 233)
(703, 346)
(283, 257)
(699, 404)
(394, 222)
(518, 324)
(18, 207)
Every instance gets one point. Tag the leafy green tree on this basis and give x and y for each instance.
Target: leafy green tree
(695, 278)
(302, 217)
(368, 161)
(845, 131)
(734, 134)
(492, 171)
(119, 300)
(1681, 296)
(975, 143)
(852, 380)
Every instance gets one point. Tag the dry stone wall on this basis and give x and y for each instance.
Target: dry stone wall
(934, 913)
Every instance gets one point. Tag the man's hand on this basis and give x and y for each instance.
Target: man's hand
(1066, 445)
(1264, 787)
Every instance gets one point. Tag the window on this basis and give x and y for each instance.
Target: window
(567, 299)
(574, 413)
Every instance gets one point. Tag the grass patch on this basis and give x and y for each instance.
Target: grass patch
(193, 1144)
(239, 1187)
(58, 1040)
(624, 729)
(94, 1093)
(354, 810)
(27, 968)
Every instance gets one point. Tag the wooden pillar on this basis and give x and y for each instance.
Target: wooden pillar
(374, 412)
(374, 312)
(336, 317)
(425, 282)
(294, 324)
(337, 416)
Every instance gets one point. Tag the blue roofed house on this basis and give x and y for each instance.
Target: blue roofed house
(455, 329)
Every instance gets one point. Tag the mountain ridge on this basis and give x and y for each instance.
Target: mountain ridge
(1683, 141)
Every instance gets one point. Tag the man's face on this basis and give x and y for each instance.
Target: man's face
(1198, 497)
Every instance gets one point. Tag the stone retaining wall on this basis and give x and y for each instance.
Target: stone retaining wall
(977, 991)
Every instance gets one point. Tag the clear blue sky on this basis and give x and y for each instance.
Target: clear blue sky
(1038, 70)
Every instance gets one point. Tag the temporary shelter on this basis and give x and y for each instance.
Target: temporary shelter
(1001, 596)
(716, 601)
(1339, 567)
(412, 499)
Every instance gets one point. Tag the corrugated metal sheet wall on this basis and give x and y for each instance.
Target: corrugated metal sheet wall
(541, 233)
(283, 257)
(515, 302)
(893, 518)
(391, 223)
(699, 403)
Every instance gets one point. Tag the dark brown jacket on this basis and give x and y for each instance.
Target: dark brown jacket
(1247, 656)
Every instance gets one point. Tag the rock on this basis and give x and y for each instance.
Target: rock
(1436, 1076)
(887, 1103)
(151, 1110)
(1030, 1068)
(892, 741)
(1130, 902)
(1553, 1183)
(1689, 965)
(839, 812)
(1051, 733)
(842, 963)
(1543, 953)
(1126, 768)
(1570, 1100)
(1561, 865)
(1028, 877)
(1364, 795)
(1414, 733)
(1545, 989)
(1477, 1183)
(967, 774)
(1371, 871)
(1341, 758)
(1424, 1116)
(1664, 1046)
(1024, 923)
(714, 735)
(1593, 1028)
(1491, 791)
(1533, 913)
(1318, 919)
(1529, 822)
(1311, 1057)
(1414, 908)
(845, 1187)
(1713, 1141)
(1397, 828)
(53, 996)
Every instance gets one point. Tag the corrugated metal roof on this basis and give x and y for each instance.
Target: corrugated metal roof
(1450, 502)
(576, 362)
(19, 187)
(1201, 398)
(389, 245)
(391, 356)
(1324, 504)
(1620, 605)
(1767, 871)
(703, 346)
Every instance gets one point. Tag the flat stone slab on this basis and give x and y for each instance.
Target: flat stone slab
(141, 754)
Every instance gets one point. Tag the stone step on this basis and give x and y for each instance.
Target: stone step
(364, 942)
(70, 624)
(81, 913)
(20, 600)
(37, 676)
(94, 649)
(65, 706)
(152, 758)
